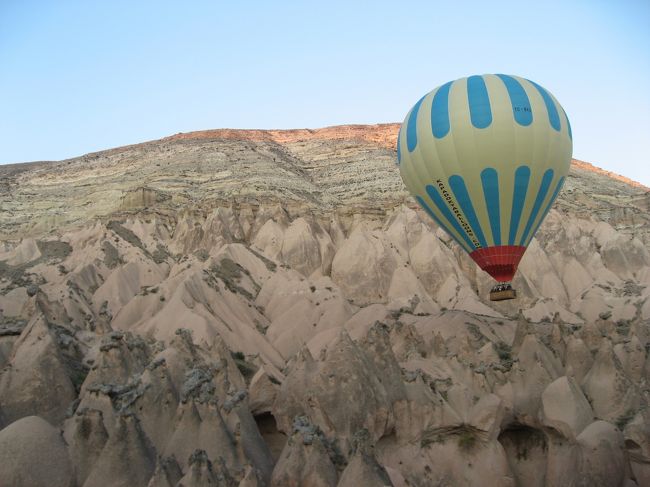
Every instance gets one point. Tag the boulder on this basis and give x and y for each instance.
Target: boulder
(34, 454)
(602, 459)
(565, 408)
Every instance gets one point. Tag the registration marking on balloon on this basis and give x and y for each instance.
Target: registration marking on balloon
(456, 211)
(486, 157)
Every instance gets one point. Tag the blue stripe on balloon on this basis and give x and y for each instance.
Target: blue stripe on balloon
(521, 109)
(553, 116)
(479, 102)
(399, 151)
(444, 209)
(440, 111)
(522, 176)
(433, 216)
(568, 124)
(490, 181)
(558, 187)
(457, 184)
(412, 126)
(541, 195)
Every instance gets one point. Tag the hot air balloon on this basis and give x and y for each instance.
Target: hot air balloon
(485, 157)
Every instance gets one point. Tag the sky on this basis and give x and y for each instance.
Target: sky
(81, 76)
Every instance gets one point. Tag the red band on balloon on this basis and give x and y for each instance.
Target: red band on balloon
(500, 262)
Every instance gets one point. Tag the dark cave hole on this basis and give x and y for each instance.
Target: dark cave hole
(274, 438)
(527, 451)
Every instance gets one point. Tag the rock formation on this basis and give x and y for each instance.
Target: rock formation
(270, 308)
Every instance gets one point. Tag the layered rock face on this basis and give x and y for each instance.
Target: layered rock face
(269, 308)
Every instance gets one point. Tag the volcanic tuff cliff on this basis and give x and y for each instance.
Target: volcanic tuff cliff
(249, 308)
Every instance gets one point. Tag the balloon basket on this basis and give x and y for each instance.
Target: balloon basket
(501, 292)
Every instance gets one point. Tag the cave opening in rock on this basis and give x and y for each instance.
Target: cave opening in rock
(527, 452)
(273, 437)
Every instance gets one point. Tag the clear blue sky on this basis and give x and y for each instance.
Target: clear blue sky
(80, 76)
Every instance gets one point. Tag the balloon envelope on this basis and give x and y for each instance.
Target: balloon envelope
(486, 156)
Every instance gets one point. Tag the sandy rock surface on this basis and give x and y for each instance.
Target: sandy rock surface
(34, 455)
(270, 308)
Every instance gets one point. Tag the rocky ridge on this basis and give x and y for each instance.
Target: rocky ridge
(269, 308)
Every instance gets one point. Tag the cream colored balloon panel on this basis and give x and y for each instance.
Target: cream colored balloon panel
(488, 157)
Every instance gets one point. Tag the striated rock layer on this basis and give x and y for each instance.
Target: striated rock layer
(270, 308)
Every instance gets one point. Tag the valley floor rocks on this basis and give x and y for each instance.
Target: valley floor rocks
(260, 311)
